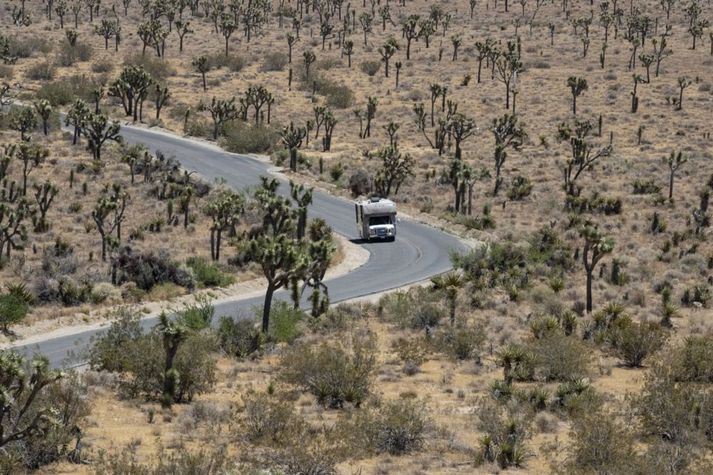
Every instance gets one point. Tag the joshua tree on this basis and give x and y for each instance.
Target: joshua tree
(436, 91)
(224, 207)
(697, 29)
(184, 199)
(13, 232)
(395, 169)
(108, 214)
(98, 130)
(508, 133)
(583, 153)
(348, 50)
(372, 102)
(386, 51)
(427, 28)
(292, 138)
(484, 50)
(291, 40)
(44, 110)
(222, 111)
(320, 249)
(76, 117)
(161, 97)
(596, 246)
(450, 284)
(202, 66)
(674, 162)
(577, 86)
(309, 59)
(661, 50)
(44, 195)
(282, 258)
(367, 24)
(302, 198)
(459, 129)
(227, 27)
(683, 83)
(410, 32)
(32, 156)
(634, 98)
(182, 29)
(330, 122)
(132, 88)
(172, 334)
(508, 65)
(61, 9)
(456, 41)
(106, 29)
(24, 121)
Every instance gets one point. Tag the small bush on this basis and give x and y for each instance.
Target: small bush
(360, 183)
(197, 315)
(239, 338)
(561, 358)
(157, 68)
(268, 419)
(102, 66)
(462, 342)
(180, 460)
(27, 46)
(692, 361)
(65, 91)
(645, 187)
(284, 320)
(240, 137)
(68, 56)
(274, 61)
(411, 352)
(147, 269)
(208, 274)
(397, 427)
(520, 188)
(235, 63)
(334, 373)
(6, 72)
(505, 433)
(44, 71)
(698, 294)
(634, 342)
(339, 96)
(13, 310)
(370, 67)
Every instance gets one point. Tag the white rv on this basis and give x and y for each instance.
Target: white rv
(376, 219)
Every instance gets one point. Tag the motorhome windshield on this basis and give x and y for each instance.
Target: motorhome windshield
(376, 220)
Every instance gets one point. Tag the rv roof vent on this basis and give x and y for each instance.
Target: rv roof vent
(375, 199)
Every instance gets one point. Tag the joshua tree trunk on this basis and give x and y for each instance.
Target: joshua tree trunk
(266, 307)
(589, 291)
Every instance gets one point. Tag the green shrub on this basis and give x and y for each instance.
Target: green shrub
(26, 46)
(180, 460)
(560, 358)
(235, 63)
(634, 342)
(147, 269)
(520, 188)
(240, 137)
(462, 342)
(65, 91)
(274, 61)
(370, 67)
(646, 187)
(269, 419)
(208, 274)
(700, 294)
(576, 398)
(156, 67)
(81, 52)
(102, 66)
(396, 427)
(411, 352)
(44, 71)
(339, 96)
(334, 373)
(197, 315)
(692, 360)
(505, 433)
(13, 310)
(239, 338)
(284, 320)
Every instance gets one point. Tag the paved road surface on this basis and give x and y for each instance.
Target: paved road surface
(418, 253)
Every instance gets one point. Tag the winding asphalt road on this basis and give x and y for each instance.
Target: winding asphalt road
(419, 251)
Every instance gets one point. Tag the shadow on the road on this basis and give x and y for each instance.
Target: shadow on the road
(367, 241)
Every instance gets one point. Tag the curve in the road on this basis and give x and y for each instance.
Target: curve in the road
(419, 252)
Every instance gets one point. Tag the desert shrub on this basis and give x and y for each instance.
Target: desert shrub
(284, 322)
(156, 67)
(520, 188)
(274, 61)
(645, 187)
(196, 315)
(576, 398)
(44, 71)
(415, 309)
(239, 338)
(461, 342)
(38, 392)
(334, 373)
(360, 183)
(598, 329)
(26, 46)
(140, 360)
(102, 66)
(601, 445)
(147, 269)
(268, 419)
(411, 352)
(208, 274)
(698, 294)
(235, 63)
(71, 292)
(180, 460)
(240, 137)
(395, 427)
(518, 363)
(336, 171)
(634, 342)
(339, 96)
(504, 434)
(692, 361)
(678, 412)
(13, 309)
(560, 358)
(370, 67)
(81, 52)
(104, 292)
(65, 91)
